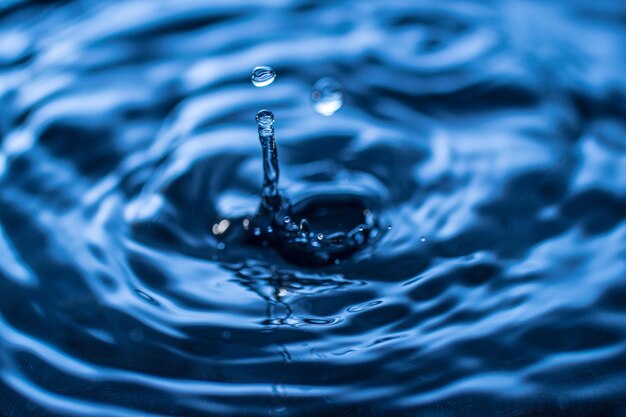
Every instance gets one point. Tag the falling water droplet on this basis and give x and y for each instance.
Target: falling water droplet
(389, 227)
(320, 236)
(287, 219)
(263, 76)
(327, 96)
(257, 231)
(422, 239)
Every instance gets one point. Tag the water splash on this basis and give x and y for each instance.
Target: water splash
(327, 96)
(307, 230)
(270, 197)
(263, 76)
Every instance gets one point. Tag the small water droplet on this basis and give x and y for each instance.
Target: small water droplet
(361, 228)
(327, 96)
(304, 226)
(320, 236)
(257, 231)
(263, 76)
(422, 239)
(221, 245)
(389, 227)
(287, 219)
(246, 224)
(337, 261)
(265, 118)
(221, 227)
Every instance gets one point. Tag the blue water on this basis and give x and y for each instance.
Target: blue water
(490, 134)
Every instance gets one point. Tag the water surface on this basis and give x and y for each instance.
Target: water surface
(490, 134)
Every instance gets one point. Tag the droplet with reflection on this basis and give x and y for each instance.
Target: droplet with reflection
(263, 76)
(327, 96)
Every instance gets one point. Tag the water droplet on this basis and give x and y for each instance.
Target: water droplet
(221, 245)
(270, 229)
(263, 76)
(422, 239)
(320, 236)
(257, 231)
(361, 228)
(327, 96)
(287, 219)
(389, 227)
(265, 118)
(337, 261)
(246, 224)
(304, 226)
(221, 227)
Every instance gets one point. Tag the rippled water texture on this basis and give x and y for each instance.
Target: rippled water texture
(491, 135)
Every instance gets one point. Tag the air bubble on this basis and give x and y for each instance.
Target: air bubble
(263, 76)
(327, 96)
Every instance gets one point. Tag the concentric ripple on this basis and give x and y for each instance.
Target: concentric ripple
(493, 134)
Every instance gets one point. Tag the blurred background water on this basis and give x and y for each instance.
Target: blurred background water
(493, 134)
